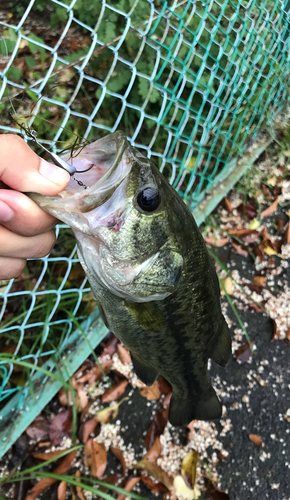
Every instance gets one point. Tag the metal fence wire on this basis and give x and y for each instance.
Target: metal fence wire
(190, 82)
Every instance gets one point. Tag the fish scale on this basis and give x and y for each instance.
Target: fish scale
(149, 271)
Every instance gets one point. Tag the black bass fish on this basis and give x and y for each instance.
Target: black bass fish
(149, 269)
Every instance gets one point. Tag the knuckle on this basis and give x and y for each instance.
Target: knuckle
(46, 242)
(11, 269)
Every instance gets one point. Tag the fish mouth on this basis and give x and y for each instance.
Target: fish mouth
(105, 165)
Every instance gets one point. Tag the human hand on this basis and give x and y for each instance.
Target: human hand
(26, 231)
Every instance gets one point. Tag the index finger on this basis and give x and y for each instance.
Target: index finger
(22, 170)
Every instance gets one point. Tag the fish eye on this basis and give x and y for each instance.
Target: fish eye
(148, 199)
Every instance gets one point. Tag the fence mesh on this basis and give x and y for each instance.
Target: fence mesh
(190, 83)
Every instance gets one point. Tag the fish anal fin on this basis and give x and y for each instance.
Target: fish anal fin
(223, 349)
(183, 411)
(146, 374)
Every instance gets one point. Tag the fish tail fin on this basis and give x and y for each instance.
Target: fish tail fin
(223, 349)
(183, 411)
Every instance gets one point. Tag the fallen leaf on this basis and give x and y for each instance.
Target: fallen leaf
(150, 393)
(165, 405)
(81, 399)
(156, 429)
(287, 234)
(183, 490)
(239, 249)
(276, 334)
(39, 429)
(119, 455)
(96, 458)
(188, 468)
(88, 428)
(48, 455)
(46, 482)
(109, 413)
(96, 373)
(228, 285)
(129, 486)
(244, 352)
(288, 333)
(220, 242)
(112, 479)
(255, 307)
(154, 451)
(156, 472)
(249, 210)
(255, 439)
(154, 487)
(250, 238)
(114, 392)
(271, 209)
(60, 427)
(78, 488)
(44, 444)
(214, 494)
(61, 490)
(123, 354)
(254, 224)
(111, 346)
(227, 205)
(164, 386)
(260, 280)
(270, 251)
(242, 232)
(191, 433)
(272, 181)
(280, 225)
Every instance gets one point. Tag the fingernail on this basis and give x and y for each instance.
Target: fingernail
(6, 213)
(53, 173)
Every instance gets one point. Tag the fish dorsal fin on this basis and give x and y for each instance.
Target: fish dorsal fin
(222, 350)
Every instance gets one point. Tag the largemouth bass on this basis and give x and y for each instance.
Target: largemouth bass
(149, 270)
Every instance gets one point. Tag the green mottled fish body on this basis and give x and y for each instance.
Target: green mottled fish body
(150, 273)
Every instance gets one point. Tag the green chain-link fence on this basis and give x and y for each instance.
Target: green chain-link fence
(191, 83)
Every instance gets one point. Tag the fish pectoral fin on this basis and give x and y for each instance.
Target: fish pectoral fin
(183, 411)
(144, 373)
(223, 349)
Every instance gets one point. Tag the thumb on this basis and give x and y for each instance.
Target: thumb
(21, 169)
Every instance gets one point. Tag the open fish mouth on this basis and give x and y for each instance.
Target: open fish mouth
(106, 163)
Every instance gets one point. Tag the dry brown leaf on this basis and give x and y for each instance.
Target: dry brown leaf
(164, 386)
(156, 429)
(244, 352)
(129, 486)
(280, 225)
(119, 455)
(276, 334)
(287, 234)
(151, 393)
(46, 482)
(81, 399)
(123, 354)
(111, 346)
(166, 404)
(156, 472)
(96, 373)
(255, 439)
(271, 209)
(61, 490)
(288, 333)
(249, 210)
(239, 249)
(96, 458)
(220, 242)
(214, 494)
(115, 392)
(48, 455)
(154, 451)
(255, 307)
(154, 487)
(242, 232)
(88, 428)
(191, 433)
(78, 488)
(60, 427)
(260, 280)
(39, 429)
(227, 205)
